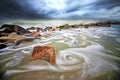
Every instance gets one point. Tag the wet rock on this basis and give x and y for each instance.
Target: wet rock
(8, 28)
(2, 46)
(47, 28)
(12, 38)
(40, 52)
(31, 28)
(35, 34)
(65, 26)
(37, 29)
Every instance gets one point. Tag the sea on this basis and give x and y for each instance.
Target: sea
(81, 54)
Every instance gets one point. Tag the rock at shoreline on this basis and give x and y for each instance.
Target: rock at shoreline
(15, 34)
(6, 29)
(35, 34)
(12, 38)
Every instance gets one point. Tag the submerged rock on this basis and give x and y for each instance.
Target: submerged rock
(41, 51)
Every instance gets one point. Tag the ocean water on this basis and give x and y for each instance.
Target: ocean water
(81, 54)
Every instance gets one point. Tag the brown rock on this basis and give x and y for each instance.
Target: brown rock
(12, 37)
(41, 51)
(35, 34)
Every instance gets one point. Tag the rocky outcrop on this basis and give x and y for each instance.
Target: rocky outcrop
(37, 29)
(82, 25)
(12, 38)
(65, 26)
(15, 34)
(8, 28)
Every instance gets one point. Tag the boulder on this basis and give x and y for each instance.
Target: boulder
(12, 38)
(8, 28)
(40, 52)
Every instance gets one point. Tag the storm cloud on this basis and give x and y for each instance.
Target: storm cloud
(59, 9)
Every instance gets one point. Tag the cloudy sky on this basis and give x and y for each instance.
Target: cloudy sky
(59, 9)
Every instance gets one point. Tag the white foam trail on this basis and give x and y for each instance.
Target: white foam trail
(30, 46)
(1, 61)
(89, 61)
(17, 57)
(1, 50)
(118, 40)
(118, 49)
(6, 52)
(61, 41)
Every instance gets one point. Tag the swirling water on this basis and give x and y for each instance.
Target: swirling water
(81, 54)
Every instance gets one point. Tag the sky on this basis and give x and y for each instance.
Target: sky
(59, 9)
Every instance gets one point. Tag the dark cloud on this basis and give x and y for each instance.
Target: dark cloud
(65, 9)
(72, 9)
(107, 4)
(14, 10)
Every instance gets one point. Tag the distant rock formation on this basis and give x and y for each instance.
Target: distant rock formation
(37, 29)
(97, 24)
(115, 23)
